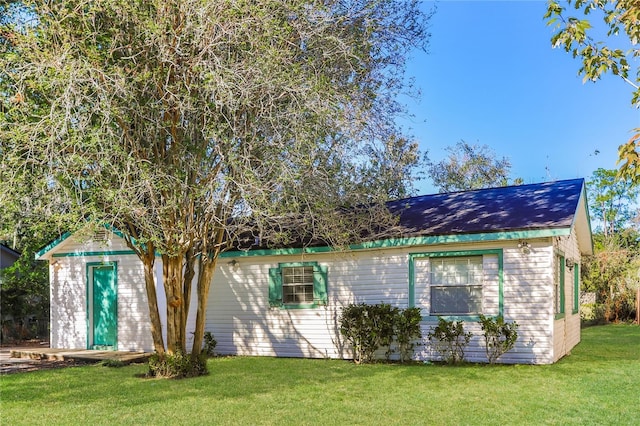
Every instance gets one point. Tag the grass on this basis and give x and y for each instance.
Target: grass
(597, 384)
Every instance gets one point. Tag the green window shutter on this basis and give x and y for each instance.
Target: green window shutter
(320, 284)
(562, 285)
(275, 287)
(576, 288)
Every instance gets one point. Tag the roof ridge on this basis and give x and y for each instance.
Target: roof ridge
(493, 188)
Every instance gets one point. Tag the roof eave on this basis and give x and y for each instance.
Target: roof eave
(412, 241)
(46, 251)
(582, 224)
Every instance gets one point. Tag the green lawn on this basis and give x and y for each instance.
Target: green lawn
(597, 384)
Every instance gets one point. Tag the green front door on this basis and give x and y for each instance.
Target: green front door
(103, 310)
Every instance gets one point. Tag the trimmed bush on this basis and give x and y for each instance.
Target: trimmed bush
(369, 328)
(499, 336)
(407, 332)
(450, 340)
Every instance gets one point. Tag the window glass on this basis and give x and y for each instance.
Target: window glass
(456, 285)
(297, 284)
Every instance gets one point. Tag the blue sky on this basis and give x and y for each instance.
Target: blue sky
(491, 77)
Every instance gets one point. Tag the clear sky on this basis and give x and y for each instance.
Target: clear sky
(491, 77)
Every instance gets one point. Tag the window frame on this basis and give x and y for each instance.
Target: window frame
(276, 284)
(296, 278)
(470, 286)
(499, 252)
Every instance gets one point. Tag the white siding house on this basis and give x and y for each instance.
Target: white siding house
(511, 251)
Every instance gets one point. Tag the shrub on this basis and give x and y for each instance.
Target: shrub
(177, 366)
(367, 328)
(407, 331)
(209, 345)
(499, 336)
(450, 340)
(621, 306)
(592, 314)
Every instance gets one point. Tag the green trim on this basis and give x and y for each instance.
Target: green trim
(408, 242)
(66, 235)
(52, 244)
(457, 253)
(89, 300)
(561, 309)
(576, 288)
(320, 294)
(466, 318)
(379, 244)
(94, 253)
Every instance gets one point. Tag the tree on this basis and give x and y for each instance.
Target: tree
(24, 294)
(573, 33)
(469, 167)
(611, 201)
(194, 127)
(612, 272)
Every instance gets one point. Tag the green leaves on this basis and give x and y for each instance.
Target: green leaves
(369, 328)
(450, 340)
(190, 124)
(574, 35)
(611, 201)
(629, 156)
(499, 336)
(469, 167)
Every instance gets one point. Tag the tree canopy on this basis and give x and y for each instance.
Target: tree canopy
(194, 126)
(618, 55)
(613, 271)
(612, 202)
(469, 167)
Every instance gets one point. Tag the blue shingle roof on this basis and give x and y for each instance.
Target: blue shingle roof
(525, 207)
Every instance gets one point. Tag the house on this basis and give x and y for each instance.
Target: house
(512, 251)
(7, 256)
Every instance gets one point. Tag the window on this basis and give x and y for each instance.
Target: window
(558, 297)
(298, 285)
(456, 285)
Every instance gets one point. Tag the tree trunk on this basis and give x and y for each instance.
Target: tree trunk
(189, 273)
(207, 267)
(206, 272)
(152, 301)
(147, 254)
(172, 271)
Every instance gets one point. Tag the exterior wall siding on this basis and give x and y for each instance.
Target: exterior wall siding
(566, 330)
(68, 276)
(68, 309)
(243, 323)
